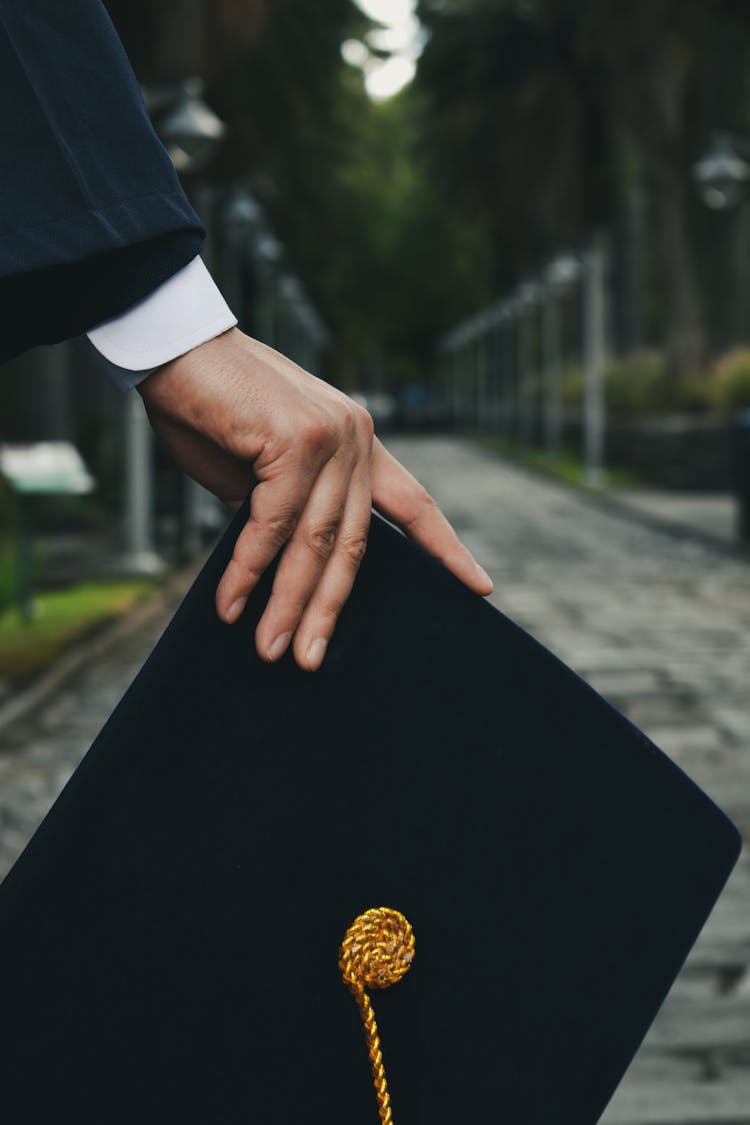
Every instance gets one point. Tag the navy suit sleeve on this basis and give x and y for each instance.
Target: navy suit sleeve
(92, 215)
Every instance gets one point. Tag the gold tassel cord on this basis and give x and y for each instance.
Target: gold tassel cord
(377, 951)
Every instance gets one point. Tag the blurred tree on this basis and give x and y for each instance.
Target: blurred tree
(387, 260)
(543, 111)
(348, 184)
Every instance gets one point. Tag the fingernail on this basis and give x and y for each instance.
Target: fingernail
(278, 647)
(235, 610)
(484, 576)
(316, 652)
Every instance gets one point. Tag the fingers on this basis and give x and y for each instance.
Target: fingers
(317, 570)
(305, 557)
(402, 499)
(322, 523)
(332, 591)
(315, 509)
(274, 511)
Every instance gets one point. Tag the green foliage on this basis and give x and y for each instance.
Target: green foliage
(517, 124)
(530, 124)
(568, 467)
(417, 266)
(7, 575)
(643, 387)
(63, 616)
(730, 382)
(7, 548)
(572, 387)
(351, 188)
(548, 116)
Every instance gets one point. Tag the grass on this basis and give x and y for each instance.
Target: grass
(567, 467)
(61, 618)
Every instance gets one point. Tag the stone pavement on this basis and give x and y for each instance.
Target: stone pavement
(710, 516)
(660, 625)
(39, 752)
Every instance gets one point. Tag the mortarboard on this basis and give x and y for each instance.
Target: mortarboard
(178, 940)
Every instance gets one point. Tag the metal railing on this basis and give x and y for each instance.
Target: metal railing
(501, 370)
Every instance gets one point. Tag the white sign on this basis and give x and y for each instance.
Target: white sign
(45, 467)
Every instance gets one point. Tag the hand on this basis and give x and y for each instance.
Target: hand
(235, 413)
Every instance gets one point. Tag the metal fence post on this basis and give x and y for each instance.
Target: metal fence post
(594, 344)
(140, 557)
(526, 301)
(552, 374)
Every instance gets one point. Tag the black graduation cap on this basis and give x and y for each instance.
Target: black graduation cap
(175, 942)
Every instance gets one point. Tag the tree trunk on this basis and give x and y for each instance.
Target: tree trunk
(684, 329)
(653, 96)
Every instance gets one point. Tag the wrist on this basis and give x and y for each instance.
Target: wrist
(173, 382)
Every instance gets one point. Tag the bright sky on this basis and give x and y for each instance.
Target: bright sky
(401, 36)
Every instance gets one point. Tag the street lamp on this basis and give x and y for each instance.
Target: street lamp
(189, 129)
(595, 263)
(191, 133)
(505, 366)
(559, 278)
(242, 217)
(721, 174)
(290, 295)
(482, 324)
(268, 249)
(721, 177)
(243, 213)
(267, 253)
(527, 298)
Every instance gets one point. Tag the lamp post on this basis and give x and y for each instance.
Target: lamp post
(559, 277)
(526, 301)
(267, 253)
(721, 177)
(454, 375)
(140, 556)
(242, 219)
(463, 383)
(191, 133)
(495, 364)
(313, 333)
(594, 346)
(187, 127)
(290, 297)
(506, 363)
(482, 361)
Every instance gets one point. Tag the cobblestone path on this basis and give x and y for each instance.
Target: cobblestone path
(661, 627)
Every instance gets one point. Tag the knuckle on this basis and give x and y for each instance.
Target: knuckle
(348, 424)
(365, 423)
(423, 505)
(354, 547)
(328, 613)
(276, 529)
(318, 434)
(243, 567)
(320, 540)
(424, 499)
(279, 530)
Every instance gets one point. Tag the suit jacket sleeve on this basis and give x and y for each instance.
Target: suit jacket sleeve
(92, 215)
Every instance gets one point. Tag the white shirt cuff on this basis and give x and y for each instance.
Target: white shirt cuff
(185, 311)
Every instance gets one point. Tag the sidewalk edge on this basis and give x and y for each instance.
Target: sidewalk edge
(92, 648)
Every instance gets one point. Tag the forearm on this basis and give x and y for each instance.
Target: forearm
(92, 215)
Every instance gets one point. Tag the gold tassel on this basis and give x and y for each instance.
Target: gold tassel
(377, 951)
